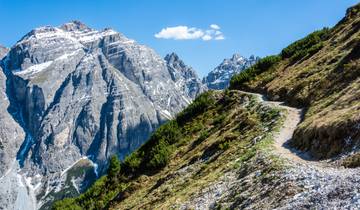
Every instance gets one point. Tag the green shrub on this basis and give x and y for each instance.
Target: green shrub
(265, 63)
(114, 168)
(219, 120)
(224, 145)
(159, 155)
(169, 132)
(203, 135)
(159, 146)
(198, 106)
(92, 199)
(195, 127)
(306, 46)
(66, 204)
(269, 115)
(158, 149)
(132, 162)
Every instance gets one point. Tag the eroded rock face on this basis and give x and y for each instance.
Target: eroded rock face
(77, 92)
(219, 78)
(11, 134)
(3, 51)
(185, 78)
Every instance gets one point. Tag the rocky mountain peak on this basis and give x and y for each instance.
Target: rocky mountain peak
(219, 78)
(237, 57)
(184, 76)
(75, 25)
(173, 58)
(174, 61)
(85, 93)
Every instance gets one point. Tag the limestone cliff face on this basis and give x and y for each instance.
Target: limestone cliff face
(11, 133)
(185, 78)
(75, 92)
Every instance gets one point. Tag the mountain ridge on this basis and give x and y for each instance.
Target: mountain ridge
(184, 76)
(81, 92)
(219, 77)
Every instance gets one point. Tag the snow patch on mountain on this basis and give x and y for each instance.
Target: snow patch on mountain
(34, 69)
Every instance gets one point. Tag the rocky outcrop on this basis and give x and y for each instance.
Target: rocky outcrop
(11, 134)
(3, 51)
(78, 92)
(185, 78)
(219, 78)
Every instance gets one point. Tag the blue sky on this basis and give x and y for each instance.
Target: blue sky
(260, 27)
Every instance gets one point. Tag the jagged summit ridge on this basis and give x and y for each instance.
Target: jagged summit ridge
(75, 25)
(60, 41)
(185, 77)
(219, 78)
(74, 29)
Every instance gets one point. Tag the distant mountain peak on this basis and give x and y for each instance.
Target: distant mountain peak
(173, 54)
(172, 57)
(184, 76)
(236, 57)
(219, 78)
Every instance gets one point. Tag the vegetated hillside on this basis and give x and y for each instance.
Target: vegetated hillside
(218, 152)
(320, 72)
(217, 146)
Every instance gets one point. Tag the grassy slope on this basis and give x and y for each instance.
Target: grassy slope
(322, 75)
(230, 138)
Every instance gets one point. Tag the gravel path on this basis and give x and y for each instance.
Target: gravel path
(316, 184)
(325, 185)
(282, 138)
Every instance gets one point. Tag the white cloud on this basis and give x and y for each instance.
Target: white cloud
(217, 33)
(215, 27)
(180, 33)
(207, 37)
(187, 33)
(220, 37)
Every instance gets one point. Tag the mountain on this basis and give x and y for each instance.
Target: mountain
(11, 138)
(76, 96)
(219, 78)
(184, 76)
(285, 135)
(3, 51)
